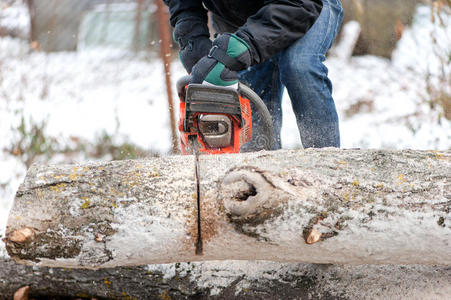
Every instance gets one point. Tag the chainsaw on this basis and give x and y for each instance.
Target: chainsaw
(217, 120)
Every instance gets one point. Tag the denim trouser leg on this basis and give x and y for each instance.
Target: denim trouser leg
(301, 70)
(305, 76)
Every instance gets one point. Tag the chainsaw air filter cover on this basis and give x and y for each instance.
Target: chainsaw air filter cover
(216, 130)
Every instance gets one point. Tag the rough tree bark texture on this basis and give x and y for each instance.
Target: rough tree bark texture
(316, 206)
(230, 280)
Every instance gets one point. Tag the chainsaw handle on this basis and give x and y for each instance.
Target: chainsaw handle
(267, 141)
(181, 85)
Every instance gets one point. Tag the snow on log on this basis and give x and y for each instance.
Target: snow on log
(317, 206)
(229, 280)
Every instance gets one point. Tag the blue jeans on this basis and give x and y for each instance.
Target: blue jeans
(301, 70)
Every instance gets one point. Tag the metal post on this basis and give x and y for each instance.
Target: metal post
(138, 18)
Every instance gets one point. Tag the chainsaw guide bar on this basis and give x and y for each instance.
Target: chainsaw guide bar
(218, 120)
(195, 147)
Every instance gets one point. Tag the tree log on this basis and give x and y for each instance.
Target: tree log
(317, 206)
(230, 280)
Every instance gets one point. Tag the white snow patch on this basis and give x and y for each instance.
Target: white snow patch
(343, 49)
(75, 206)
(139, 228)
(15, 18)
(168, 270)
(12, 172)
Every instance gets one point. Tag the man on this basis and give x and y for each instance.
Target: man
(268, 45)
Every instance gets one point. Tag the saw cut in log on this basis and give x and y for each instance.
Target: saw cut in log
(318, 206)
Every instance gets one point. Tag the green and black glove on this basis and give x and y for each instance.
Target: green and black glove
(193, 38)
(228, 55)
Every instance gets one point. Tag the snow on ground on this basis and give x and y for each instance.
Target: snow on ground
(14, 17)
(381, 103)
(81, 94)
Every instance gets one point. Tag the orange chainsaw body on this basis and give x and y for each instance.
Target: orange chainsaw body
(241, 124)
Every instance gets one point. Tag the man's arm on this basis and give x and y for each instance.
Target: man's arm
(183, 10)
(277, 25)
(189, 19)
(274, 27)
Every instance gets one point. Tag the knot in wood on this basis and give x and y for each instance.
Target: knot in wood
(249, 196)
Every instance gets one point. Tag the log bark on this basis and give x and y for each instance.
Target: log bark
(229, 280)
(316, 206)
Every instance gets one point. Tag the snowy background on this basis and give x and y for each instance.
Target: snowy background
(101, 104)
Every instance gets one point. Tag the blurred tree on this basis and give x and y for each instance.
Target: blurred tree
(438, 85)
(382, 22)
(138, 18)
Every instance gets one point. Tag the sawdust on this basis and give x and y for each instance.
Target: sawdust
(209, 223)
(209, 219)
(191, 231)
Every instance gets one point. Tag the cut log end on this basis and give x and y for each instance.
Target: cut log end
(313, 236)
(21, 236)
(22, 293)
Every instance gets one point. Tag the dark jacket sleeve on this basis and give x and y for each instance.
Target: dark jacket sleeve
(183, 10)
(277, 25)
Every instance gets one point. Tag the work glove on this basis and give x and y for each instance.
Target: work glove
(228, 55)
(193, 38)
